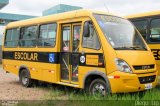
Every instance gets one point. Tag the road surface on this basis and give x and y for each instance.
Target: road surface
(11, 89)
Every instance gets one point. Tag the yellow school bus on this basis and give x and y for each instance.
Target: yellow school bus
(91, 50)
(148, 25)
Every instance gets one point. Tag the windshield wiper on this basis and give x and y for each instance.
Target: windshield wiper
(124, 48)
(130, 48)
(139, 48)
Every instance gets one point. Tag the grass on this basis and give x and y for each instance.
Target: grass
(59, 95)
(67, 93)
(65, 96)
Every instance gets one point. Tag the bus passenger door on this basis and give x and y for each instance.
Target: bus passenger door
(70, 53)
(76, 31)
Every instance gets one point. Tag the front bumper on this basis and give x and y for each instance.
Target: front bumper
(127, 82)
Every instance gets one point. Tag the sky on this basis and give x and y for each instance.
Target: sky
(118, 7)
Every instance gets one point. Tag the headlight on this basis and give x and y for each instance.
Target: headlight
(123, 66)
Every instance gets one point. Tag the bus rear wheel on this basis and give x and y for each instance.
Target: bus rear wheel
(98, 87)
(25, 78)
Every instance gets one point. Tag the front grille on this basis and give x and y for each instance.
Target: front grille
(144, 67)
(148, 79)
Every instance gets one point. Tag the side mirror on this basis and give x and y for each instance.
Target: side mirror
(86, 30)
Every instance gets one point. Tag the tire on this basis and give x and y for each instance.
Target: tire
(25, 78)
(99, 87)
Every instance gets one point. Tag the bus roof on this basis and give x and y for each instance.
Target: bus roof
(55, 17)
(147, 14)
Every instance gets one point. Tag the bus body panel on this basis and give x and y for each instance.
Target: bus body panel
(128, 82)
(39, 71)
(156, 53)
(83, 71)
(137, 58)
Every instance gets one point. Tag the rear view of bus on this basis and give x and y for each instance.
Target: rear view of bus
(148, 25)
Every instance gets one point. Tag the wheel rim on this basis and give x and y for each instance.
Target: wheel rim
(24, 80)
(99, 89)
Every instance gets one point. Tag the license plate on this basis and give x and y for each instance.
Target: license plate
(148, 86)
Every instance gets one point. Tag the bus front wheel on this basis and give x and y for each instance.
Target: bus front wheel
(25, 78)
(98, 87)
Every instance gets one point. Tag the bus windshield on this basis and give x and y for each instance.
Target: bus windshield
(120, 33)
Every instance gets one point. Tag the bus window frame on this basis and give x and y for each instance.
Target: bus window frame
(47, 38)
(148, 18)
(6, 34)
(149, 30)
(37, 32)
(100, 45)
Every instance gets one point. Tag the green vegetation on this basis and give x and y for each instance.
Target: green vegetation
(67, 93)
(71, 96)
(67, 96)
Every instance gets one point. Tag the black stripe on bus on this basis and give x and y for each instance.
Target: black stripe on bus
(31, 56)
(52, 57)
(156, 53)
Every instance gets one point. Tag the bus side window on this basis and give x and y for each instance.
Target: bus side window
(12, 37)
(47, 37)
(76, 37)
(91, 40)
(141, 25)
(28, 36)
(155, 31)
